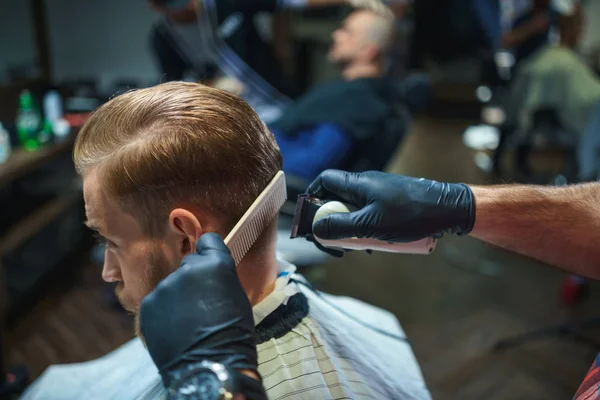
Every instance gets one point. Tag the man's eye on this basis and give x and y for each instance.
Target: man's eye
(99, 238)
(102, 241)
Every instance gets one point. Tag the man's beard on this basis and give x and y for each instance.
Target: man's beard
(157, 269)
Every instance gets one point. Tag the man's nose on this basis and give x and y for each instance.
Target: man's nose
(111, 271)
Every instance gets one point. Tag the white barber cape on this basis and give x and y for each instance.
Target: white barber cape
(328, 355)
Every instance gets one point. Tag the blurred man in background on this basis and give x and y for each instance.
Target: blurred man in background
(557, 77)
(325, 127)
(212, 38)
(529, 32)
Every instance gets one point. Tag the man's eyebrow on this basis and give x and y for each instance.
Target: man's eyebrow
(93, 226)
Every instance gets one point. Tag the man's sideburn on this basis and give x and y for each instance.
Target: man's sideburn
(157, 269)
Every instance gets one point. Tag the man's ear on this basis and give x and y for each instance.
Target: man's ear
(373, 52)
(186, 228)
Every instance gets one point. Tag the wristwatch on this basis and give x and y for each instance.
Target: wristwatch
(205, 380)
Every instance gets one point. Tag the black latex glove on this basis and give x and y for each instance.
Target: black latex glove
(392, 207)
(200, 312)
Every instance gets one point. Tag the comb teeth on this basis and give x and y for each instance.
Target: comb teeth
(257, 217)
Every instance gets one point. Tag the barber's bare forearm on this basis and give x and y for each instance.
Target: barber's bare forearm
(557, 225)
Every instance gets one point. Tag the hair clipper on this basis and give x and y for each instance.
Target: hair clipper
(310, 209)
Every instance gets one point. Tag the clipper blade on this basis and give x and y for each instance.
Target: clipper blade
(306, 208)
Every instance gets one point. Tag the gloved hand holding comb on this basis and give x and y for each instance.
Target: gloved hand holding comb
(201, 313)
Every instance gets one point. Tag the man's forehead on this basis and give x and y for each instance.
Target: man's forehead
(103, 212)
(350, 21)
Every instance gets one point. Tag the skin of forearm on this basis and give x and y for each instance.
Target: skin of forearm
(556, 225)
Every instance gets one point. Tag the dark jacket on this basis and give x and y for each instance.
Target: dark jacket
(360, 107)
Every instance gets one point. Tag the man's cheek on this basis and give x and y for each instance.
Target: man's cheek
(127, 301)
(132, 289)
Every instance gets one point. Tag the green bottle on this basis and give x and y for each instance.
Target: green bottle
(29, 122)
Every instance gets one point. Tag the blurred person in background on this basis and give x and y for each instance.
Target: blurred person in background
(530, 31)
(325, 126)
(219, 39)
(557, 77)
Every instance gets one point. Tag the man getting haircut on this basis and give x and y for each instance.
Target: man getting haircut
(161, 166)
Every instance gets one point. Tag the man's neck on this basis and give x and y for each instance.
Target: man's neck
(258, 272)
(357, 71)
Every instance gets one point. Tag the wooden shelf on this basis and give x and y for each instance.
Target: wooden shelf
(22, 161)
(37, 220)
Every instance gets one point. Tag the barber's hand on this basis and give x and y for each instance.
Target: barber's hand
(200, 312)
(392, 207)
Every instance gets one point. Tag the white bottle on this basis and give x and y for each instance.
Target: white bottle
(5, 147)
(53, 106)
